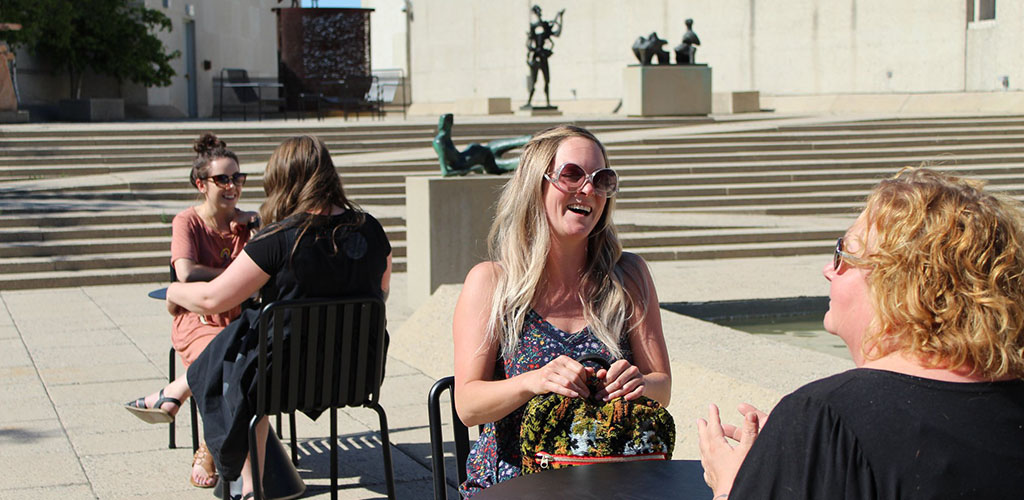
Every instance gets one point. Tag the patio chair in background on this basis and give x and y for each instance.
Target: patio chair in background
(351, 94)
(336, 354)
(249, 93)
(461, 437)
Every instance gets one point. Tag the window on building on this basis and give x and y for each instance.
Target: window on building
(981, 10)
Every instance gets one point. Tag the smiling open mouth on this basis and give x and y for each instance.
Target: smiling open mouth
(579, 209)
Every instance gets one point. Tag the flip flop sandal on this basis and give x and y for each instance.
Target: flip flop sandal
(156, 414)
(204, 459)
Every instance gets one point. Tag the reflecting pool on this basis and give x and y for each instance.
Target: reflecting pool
(805, 331)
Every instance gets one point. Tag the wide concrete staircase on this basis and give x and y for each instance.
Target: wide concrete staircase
(92, 205)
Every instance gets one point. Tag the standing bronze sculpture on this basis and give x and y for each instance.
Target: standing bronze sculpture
(686, 52)
(476, 157)
(538, 49)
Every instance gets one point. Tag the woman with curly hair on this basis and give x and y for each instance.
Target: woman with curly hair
(927, 292)
(558, 286)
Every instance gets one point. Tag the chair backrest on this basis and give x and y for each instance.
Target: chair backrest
(333, 357)
(238, 75)
(461, 437)
(356, 87)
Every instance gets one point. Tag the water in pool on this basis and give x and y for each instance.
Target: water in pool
(805, 331)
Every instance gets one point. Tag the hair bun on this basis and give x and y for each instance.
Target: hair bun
(206, 143)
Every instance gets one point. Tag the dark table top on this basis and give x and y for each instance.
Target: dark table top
(682, 479)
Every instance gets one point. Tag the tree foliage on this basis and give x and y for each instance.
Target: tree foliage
(108, 37)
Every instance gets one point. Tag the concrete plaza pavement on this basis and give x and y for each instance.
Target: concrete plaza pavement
(72, 356)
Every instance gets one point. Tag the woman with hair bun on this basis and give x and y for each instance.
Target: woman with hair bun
(205, 239)
(316, 244)
(927, 292)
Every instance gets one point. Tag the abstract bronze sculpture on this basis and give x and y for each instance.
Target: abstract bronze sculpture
(476, 157)
(539, 48)
(645, 48)
(686, 52)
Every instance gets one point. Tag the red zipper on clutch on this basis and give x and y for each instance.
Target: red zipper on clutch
(546, 459)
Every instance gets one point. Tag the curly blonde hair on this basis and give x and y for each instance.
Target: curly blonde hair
(946, 273)
(519, 241)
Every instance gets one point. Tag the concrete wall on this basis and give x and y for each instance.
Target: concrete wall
(462, 48)
(229, 33)
(988, 58)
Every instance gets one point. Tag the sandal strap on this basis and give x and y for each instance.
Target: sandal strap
(163, 399)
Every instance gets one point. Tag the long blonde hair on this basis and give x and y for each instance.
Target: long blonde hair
(519, 242)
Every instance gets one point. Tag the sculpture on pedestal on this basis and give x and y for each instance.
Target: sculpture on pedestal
(539, 48)
(476, 157)
(645, 48)
(686, 52)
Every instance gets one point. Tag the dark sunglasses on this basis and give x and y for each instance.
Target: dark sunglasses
(570, 178)
(223, 180)
(839, 256)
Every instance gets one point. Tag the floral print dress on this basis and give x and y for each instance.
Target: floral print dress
(496, 457)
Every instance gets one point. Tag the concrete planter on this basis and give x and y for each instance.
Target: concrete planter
(91, 110)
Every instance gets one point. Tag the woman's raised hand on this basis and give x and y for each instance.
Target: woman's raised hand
(562, 375)
(721, 460)
(621, 379)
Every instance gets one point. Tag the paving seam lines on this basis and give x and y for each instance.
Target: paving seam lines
(49, 397)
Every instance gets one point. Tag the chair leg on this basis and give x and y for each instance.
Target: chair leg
(385, 438)
(257, 488)
(170, 378)
(295, 446)
(195, 424)
(334, 453)
(279, 435)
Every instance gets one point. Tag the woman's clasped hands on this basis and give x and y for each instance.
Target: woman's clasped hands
(568, 377)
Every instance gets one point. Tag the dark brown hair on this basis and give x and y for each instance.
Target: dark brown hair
(208, 148)
(300, 179)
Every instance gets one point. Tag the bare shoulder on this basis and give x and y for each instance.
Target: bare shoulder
(634, 266)
(482, 276)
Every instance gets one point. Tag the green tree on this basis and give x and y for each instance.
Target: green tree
(108, 37)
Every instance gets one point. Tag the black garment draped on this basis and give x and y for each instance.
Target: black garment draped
(337, 257)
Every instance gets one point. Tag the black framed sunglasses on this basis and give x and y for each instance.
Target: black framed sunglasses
(223, 180)
(570, 178)
(840, 255)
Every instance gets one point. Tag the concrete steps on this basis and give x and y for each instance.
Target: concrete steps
(87, 206)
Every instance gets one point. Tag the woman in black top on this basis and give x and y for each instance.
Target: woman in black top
(315, 244)
(927, 293)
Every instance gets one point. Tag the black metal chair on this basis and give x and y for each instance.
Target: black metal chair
(351, 94)
(335, 358)
(461, 437)
(172, 368)
(248, 92)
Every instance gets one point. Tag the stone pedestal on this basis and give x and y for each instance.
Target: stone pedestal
(539, 111)
(737, 102)
(18, 116)
(91, 110)
(667, 90)
(447, 220)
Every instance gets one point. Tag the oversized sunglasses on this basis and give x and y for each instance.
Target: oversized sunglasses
(840, 255)
(570, 178)
(223, 180)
